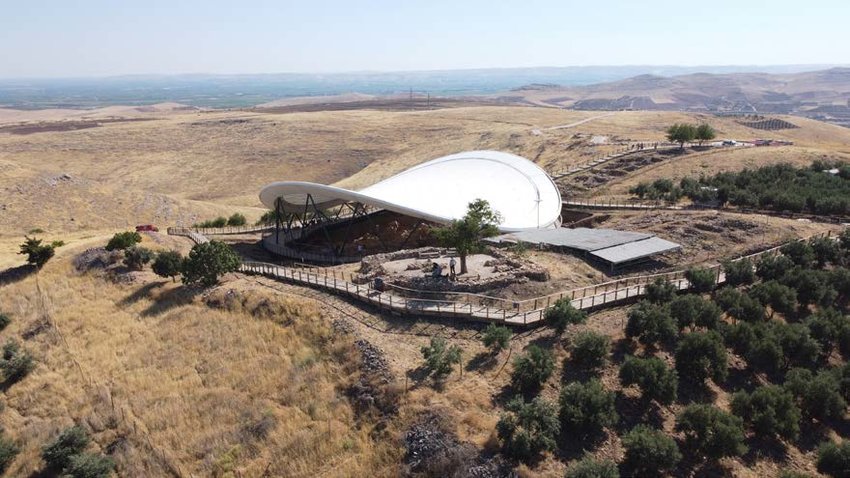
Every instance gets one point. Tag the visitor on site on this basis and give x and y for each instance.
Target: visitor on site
(436, 270)
(452, 264)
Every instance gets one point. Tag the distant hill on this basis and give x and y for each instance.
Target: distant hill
(823, 95)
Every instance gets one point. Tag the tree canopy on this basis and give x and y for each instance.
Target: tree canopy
(465, 234)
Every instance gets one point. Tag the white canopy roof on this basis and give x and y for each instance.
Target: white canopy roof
(440, 190)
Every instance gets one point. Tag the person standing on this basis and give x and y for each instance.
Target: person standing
(452, 264)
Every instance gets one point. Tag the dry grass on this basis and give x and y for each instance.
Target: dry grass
(253, 387)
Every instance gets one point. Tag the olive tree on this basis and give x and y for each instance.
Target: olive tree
(711, 432)
(466, 234)
(207, 262)
(655, 379)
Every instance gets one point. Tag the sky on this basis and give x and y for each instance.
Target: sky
(83, 38)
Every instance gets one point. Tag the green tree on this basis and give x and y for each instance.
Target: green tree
(123, 240)
(440, 359)
(740, 272)
(38, 253)
(711, 432)
(779, 297)
(527, 429)
(587, 408)
(466, 234)
(660, 291)
(649, 452)
(651, 324)
(692, 310)
(826, 250)
(701, 355)
(72, 441)
(168, 264)
(590, 350)
(799, 348)
(496, 337)
(681, 133)
(590, 467)
(236, 219)
(769, 410)
(834, 459)
(773, 267)
(532, 369)
(800, 253)
(207, 262)
(704, 132)
(655, 379)
(819, 396)
(89, 465)
(136, 257)
(830, 328)
(812, 286)
(702, 280)
(562, 313)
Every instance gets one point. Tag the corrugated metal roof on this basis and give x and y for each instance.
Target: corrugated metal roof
(582, 238)
(635, 250)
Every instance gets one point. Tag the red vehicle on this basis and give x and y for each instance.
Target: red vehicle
(146, 228)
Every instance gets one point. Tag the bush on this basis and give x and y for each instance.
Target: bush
(269, 218)
(168, 264)
(660, 291)
(819, 396)
(89, 465)
(38, 253)
(207, 262)
(769, 410)
(649, 452)
(590, 350)
(701, 355)
(655, 379)
(590, 467)
(587, 408)
(136, 257)
(528, 428)
(532, 369)
(123, 240)
(562, 314)
(834, 459)
(220, 221)
(496, 337)
(440, 359)
(711, 432)
(740, 272)
(702, 280)
(4, 321)
(72, 441)
(692, 310)
(651, 324)
(773, 267)
(15, 363)
(8, 451)
(236, 219)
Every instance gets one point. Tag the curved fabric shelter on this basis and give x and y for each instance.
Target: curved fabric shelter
(440, 190)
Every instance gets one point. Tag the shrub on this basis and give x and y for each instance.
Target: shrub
(773, 267)
(17, 367)
(562, 314)
(655, 379)
(8, 451)
(701, 355)
(532, 369)
(740, 272)
(4, 321)
(800, 253)
(780, 298)
(702, 280)
(38, 253)
(590, 350)
(136, 257)
(207, 262)
(440, 358)
(769, 410)
(587, 408)
(123, 240)
(220, 221)
(590, 467)
(649, 452)
(692, 310)
(834, 459)
(819, 396)
(496, 337)
(528, 428)
(660, 291)
(72, 441)
(168, 264)
(269, 218)
(236, 219)
(89, 465)
(651, 324)
(711, 432)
